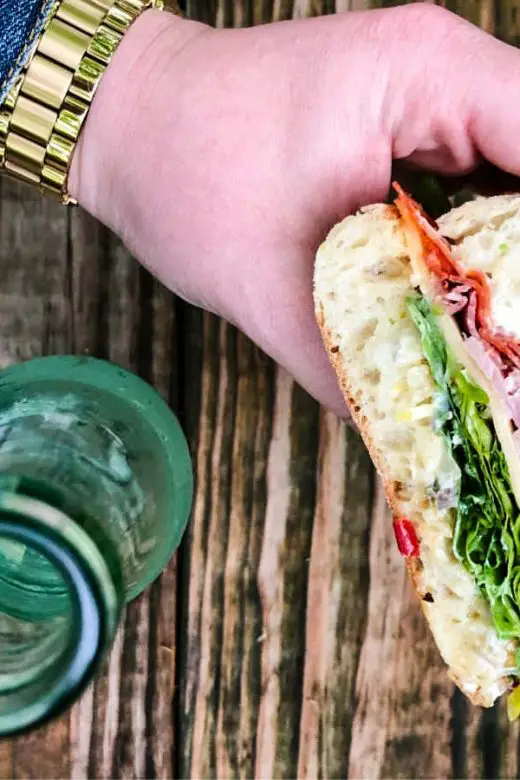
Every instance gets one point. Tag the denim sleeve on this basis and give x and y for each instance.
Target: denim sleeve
(21, 21)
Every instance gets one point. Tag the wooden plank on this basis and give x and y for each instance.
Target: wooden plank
(375, 673)
(35, 317)
(207, 545)
(239, 551)
(124, 727)
(34, 275)
(337, 602)
(221, 672)
(95, 720)
(418, 735)
(241, 649)
(6, 760)
(283, 577)
(253, 628)
(43, 754)
(76, 289)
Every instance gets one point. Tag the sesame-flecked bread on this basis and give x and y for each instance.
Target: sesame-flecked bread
(363, 275)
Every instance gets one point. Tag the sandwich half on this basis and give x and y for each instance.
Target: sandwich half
(421, 321)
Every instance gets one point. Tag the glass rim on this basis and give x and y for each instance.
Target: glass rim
(96, 607)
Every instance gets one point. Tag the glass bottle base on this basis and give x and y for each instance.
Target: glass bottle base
(48, 655)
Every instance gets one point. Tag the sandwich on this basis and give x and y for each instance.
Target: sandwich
(421, 321)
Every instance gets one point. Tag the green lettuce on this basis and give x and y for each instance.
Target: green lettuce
(486, 537)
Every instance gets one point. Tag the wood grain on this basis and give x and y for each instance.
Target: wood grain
(35, 320)
(78, 290)
(284, 640)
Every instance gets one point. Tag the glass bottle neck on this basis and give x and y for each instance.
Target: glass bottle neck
(60, 602)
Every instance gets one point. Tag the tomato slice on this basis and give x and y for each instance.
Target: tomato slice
(406, 538)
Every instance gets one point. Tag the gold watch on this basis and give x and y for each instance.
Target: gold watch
(42, 117)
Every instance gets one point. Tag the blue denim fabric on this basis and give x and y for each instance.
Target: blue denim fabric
(20, 24)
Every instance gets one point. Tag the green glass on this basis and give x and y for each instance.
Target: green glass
(96, 487)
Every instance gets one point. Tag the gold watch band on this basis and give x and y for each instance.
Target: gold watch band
(43, 114)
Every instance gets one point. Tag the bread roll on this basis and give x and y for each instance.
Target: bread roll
(363, 276)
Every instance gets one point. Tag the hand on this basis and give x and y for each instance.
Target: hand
(222, 157)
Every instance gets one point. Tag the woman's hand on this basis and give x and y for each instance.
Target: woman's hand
(222, 157)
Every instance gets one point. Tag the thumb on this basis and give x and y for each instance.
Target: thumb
(457, 99)
(494, 113)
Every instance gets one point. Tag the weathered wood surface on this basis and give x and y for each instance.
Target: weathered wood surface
(284, 641)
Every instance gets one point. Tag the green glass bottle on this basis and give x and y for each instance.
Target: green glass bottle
(96, 488)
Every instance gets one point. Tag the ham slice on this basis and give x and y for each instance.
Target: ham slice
(456, 299)
(441, 263)
(470, 319)
(516, 439)
(468, 295)
(507, 387)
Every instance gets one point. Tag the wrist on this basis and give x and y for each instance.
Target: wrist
(110, 142)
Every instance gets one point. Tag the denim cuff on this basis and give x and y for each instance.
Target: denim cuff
(21, 22)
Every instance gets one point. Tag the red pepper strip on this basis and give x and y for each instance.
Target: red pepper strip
(406, 538)
(439, 259)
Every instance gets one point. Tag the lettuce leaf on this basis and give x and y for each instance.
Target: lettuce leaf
(486, 534)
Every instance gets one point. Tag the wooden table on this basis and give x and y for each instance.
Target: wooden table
(284, 641)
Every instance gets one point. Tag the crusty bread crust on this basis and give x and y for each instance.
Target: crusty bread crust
(413, 565)
(483, 695)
